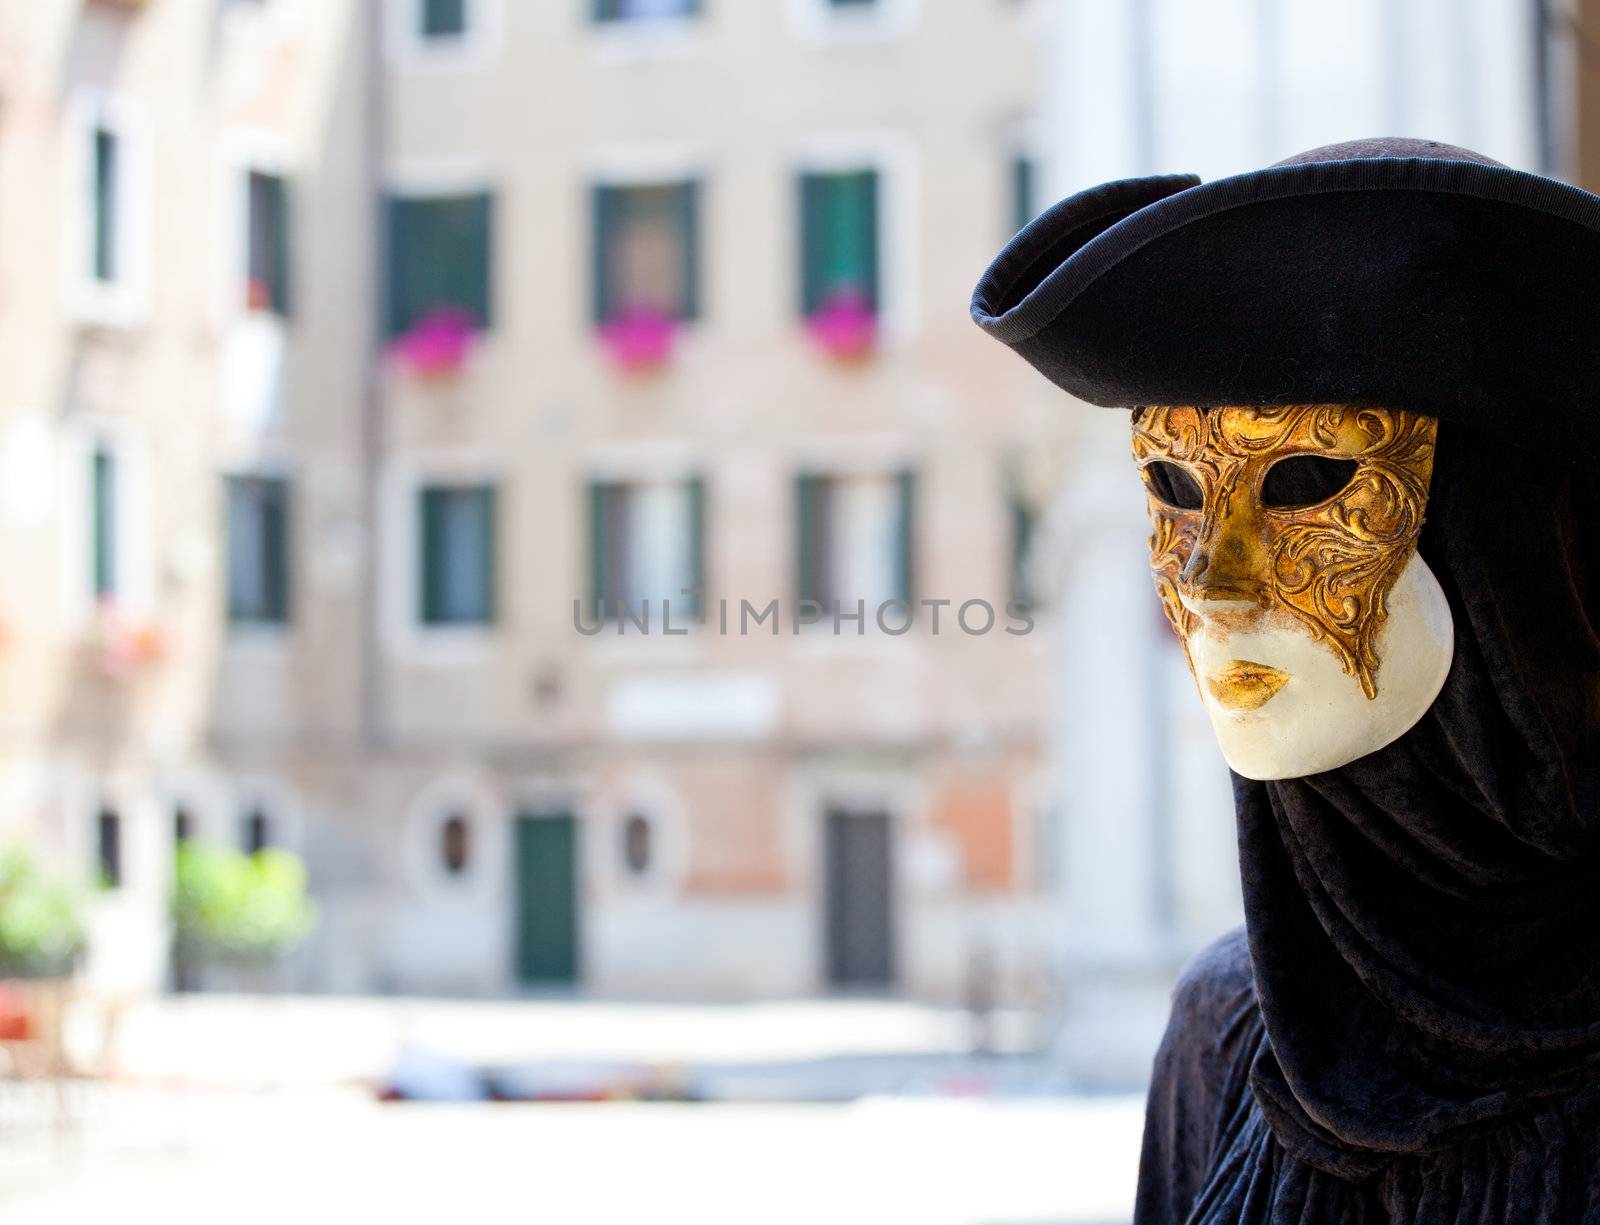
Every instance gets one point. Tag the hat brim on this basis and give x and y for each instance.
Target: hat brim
(1467, 291)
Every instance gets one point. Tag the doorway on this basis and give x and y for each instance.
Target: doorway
(858, 905)
(546, 865)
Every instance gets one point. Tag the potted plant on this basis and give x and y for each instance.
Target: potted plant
(844, 325)
(639, 339)
(437, 345)
(124, 646)
(41, 924)
(233, 908)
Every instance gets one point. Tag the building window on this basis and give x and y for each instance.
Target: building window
(457, 555)
(1024, 191)
(257, 831)
(646, 245)
(455, 845)
(258, 550)
(645, 10)
(855, 540)
(637, 844)
(440, 259)
(1022, 530)
(852, 4)
(646, 546)
(267, 239)
(108, 849)
(839, 239)
(106, 188)
(443, 18)
(103, 522)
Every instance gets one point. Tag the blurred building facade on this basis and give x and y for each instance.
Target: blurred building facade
(370, 369)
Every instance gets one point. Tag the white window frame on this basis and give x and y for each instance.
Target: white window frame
(245, 150)
(894, 159)
(135, 542)
(648, 38)
(818, 21)
(477, 47)
(125, 301)
(400, 577)
(458, 793)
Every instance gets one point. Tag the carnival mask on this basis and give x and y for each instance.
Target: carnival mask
(1284, 551)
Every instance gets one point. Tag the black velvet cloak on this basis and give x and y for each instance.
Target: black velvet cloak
(1410, 1032)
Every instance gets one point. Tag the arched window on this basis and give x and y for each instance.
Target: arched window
(637, 851)
(455, 845)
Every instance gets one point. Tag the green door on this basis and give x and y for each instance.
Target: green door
(547, 898)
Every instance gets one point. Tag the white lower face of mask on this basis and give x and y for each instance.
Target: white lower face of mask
(1282, 706)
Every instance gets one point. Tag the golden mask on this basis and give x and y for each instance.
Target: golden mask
(1311, 509)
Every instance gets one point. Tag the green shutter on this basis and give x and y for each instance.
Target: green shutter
(867, 222)
(268, 236)
(812, 254)
(431, 508)
(810, 536)
(488, 504)
(689, 246)
(398, 228)
(906, 547)
(282, 245)
(599, 548)
(697, 544)
(104, 525)
(604, 222)
(1022, 192)
(275, 548)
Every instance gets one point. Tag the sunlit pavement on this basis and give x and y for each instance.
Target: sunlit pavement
(336, 1155)
(240, 1109)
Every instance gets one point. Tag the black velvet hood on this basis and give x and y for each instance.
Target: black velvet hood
(1396, 273)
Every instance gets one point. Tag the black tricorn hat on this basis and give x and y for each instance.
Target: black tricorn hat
(1394, 273)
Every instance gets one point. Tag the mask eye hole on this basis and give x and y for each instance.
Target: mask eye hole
(1172, 485)
(1305, 480)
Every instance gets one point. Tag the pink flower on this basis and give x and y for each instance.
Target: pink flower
(639, 338)
(845, 325)
(437, 344)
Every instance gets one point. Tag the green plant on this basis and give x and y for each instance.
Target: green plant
(41, 925)
(228, 905)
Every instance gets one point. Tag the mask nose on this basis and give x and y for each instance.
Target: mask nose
(1223, 572)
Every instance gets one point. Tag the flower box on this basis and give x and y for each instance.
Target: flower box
(122, 647)
(844, 326)
(437, 345)
(639, 339)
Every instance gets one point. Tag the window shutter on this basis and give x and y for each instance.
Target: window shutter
(275, 548)
(1021, 543)
(689, 246)
(478, 257)
(488, 501)
(813, 205)
(105, 253)
(906, 545)
(398, 227)
(696, 497)
(604, 219)
(104, 525)
(1022, 192)
(443, 18)
(812, 538)
(599, 548)
(867, 220)
(431, 508)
